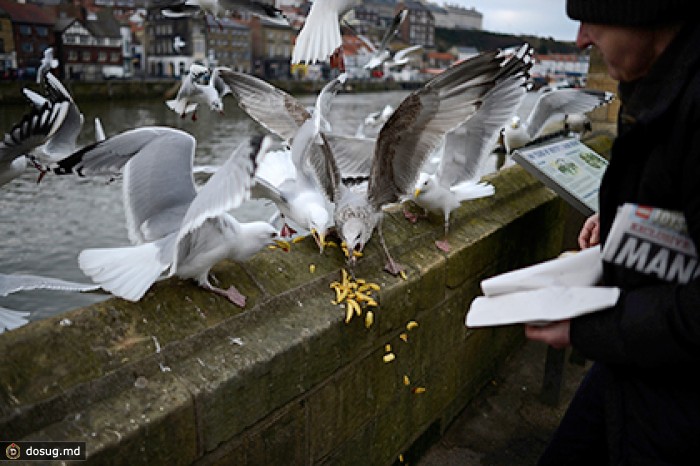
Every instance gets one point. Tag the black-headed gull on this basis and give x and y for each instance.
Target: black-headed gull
(320, 36)
(176, 228)
(299, 197)
(192, 93)
(465, 151)
(33, 130)
(551, 105)
(408, 138)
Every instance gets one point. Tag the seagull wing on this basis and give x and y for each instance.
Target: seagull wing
(320, 35)
(34, 129)
(467, 147)
(418, 125)
(11, 319)
(352, 155)
(273, 108)
(219, 84)
(393, 29)
(560, 102)
(158, 182)
(20, 282)
(225, 190)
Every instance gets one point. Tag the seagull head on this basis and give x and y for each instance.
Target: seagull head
(217, 105)
(515, 122)
(354, 234)
(254, 236)
(425, 184)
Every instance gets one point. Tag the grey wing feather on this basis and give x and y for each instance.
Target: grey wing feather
(158, 181)
(273, 108)
(19, 282)
(467, 147)
(353, 155)
(227, 188)
(34, 129)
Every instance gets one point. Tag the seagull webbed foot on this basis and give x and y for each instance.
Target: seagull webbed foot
(287, 231)
(232, 294)
(443, 245)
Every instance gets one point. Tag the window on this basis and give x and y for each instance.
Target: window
(86, 55)
(73, 55)
(42, 31)
(114, 57)
(25, 30)
(27, 47)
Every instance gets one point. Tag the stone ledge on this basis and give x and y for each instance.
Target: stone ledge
(304, 387)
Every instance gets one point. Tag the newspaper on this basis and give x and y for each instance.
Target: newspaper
(554, 290)
(652, 241)
(568, 167)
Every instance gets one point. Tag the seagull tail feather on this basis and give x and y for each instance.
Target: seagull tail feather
(470, 190)
(125, 272)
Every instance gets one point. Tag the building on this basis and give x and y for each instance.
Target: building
(171, 45)
(419, 26)
(457, 17)
(228, 44)
(90, 49)
(32, 33)
(8, 56)
(271, 48)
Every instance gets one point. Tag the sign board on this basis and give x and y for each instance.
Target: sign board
(567, 166)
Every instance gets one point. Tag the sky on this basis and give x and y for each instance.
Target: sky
(541, 18)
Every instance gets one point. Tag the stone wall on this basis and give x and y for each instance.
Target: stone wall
(184, 377)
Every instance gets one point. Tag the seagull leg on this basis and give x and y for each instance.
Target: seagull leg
(412, 217)
(287, 231)
(391, 266)
(443, 245)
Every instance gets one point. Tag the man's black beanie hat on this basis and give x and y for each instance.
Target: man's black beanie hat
(630, 12)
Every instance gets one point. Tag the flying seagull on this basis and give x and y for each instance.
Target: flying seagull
(551, 105)
(192, 93)
(408, 138)
(177, 229)
(320, 36)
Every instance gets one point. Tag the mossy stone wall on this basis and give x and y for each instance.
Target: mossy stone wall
(185, 377)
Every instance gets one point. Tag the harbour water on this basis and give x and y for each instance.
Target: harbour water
(44, 227)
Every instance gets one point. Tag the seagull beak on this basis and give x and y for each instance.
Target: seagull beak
(416, 193)
(320, 239)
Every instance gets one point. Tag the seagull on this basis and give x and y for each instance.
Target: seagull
(408, 138)
(48, 62)
(176, 228)
(191, 93)
(33, 130)
(382, 53)
(374, 121)
(299, 196)
(465, 150)
(219, 8)
(320, 36)
(178, 44)
(64, 141)
(552, 105)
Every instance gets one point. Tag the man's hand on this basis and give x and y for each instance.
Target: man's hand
(555, 334)
(590, 232)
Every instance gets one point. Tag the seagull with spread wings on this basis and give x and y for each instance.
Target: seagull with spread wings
(552, 105)
(299, 196)
(412, 133)
(465, 151)
(192, 93)
(175, 227)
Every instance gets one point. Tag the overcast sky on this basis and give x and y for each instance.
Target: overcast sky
(542, 18)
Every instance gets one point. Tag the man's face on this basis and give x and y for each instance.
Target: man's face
(628, 52)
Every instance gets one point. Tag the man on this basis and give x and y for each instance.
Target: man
(640, 402)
